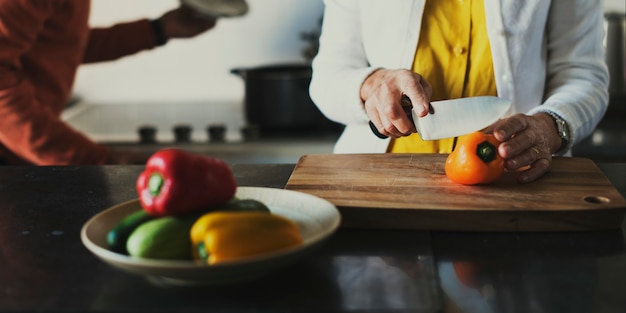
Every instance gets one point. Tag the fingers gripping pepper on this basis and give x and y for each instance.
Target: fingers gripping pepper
(475, 160)
(223, 236)
(175, 182)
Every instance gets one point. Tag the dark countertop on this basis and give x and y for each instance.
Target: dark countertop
(45, 268)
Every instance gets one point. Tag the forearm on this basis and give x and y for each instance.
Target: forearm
(341, 66)
(577, 77)
(106, 44)
(338, 95)
(34, 133)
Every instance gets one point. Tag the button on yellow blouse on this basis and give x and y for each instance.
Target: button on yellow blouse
(454, 56)
(458, 50)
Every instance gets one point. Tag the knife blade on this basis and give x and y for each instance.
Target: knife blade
(456, 117)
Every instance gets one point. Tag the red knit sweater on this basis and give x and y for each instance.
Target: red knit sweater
(42, 43)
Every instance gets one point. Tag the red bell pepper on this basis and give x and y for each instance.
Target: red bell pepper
(177, 182)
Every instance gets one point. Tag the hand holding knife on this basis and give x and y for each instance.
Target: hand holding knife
(407, 106)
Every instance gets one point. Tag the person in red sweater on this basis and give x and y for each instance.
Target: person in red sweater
(42, 43)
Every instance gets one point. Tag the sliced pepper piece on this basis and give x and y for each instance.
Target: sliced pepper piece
(225, 236)
(176, 182)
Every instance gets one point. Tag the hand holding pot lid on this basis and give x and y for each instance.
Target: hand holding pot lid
(218, 8)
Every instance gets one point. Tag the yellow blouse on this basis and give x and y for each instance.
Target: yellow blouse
(454, 56)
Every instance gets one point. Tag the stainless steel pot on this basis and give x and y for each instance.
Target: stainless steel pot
(277, 97)
(616, 53)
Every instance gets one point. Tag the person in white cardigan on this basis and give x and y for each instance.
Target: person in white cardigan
(547, 59)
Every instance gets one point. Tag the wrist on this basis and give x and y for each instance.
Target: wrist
(560, 127)
(159, 32)
(369, 84)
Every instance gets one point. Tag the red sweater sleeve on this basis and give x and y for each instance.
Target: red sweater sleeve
(34, 133)
(121, 39)
(37, 68)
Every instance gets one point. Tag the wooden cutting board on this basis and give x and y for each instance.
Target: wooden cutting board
(411, 191)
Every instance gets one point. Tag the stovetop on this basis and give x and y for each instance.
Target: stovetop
(216, 129)
(120, 122)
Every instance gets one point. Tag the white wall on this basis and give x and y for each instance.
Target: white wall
(197, 69)
(614, 6)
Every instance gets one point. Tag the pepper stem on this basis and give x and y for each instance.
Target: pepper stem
(155, 183)
(203, 255)
(486, 151)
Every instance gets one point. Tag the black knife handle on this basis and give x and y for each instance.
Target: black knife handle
(376, 132)
(406, 105)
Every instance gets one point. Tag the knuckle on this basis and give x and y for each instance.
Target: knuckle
(394, 115)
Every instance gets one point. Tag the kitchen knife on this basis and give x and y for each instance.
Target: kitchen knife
(456, 117)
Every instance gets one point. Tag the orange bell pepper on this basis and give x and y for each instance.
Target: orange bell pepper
(475, 160)
(225, 236)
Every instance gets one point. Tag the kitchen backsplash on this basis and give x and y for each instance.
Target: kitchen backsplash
(187, 73)
(198, 69)
(614, 6)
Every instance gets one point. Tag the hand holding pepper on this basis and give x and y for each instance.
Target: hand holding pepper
(176, 182)
(528, 143)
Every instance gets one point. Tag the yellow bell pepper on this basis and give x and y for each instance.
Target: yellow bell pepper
(225, 236)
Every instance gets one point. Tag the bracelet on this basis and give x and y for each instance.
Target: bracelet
(562, 129)
(159, 32)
